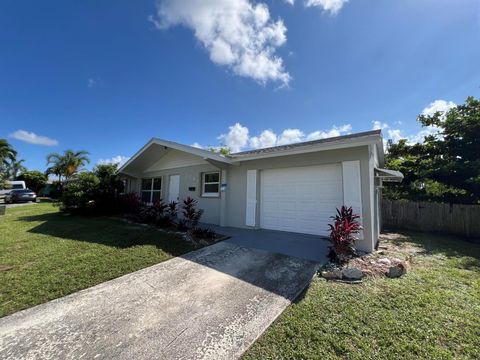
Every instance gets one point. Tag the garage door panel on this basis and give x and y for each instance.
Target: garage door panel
(300, 199)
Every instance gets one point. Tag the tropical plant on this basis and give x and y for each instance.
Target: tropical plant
(7, 155)
(109, 187)
(67, 164)
(190, 214)
(78, 196)
(343, 234)
(129, 203)
(152, 213)
(34, 180)
(7, 152)
(167, 219)
(203, 233)
(14, 168)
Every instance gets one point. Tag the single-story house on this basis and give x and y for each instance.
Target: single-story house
(294, 187)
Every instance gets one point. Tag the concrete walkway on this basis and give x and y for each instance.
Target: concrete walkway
(209, 304)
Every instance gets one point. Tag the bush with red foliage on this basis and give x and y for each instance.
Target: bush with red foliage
(343, 234)
(190, 213)
(129, 203)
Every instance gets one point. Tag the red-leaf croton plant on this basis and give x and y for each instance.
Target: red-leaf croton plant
(343, 234)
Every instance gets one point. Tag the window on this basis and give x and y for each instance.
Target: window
(211, 184)
(151, 190)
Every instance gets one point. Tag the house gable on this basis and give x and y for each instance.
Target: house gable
(173, 159)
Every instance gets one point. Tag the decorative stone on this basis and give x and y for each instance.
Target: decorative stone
(396, 271)
(352, 274)
(332, 275)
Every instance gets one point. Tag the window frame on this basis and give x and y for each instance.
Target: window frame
(151, 190)
(211, 194)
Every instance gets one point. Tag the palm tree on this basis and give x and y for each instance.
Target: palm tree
(15, 167)
(68, 164)
(7, 153)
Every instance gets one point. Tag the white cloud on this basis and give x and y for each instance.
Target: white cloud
(236, 138)
(119, 159)
(333, 132)
(267, 138)
(378, 125)
(331, 6)
(32, 138)
(197, 145)
(438, 106)
(289, 136)
(238, 34)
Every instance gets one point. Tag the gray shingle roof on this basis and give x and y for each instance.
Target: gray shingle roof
(307, 143)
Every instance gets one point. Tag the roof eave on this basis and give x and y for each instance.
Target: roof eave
(341, 144)
(204, 154)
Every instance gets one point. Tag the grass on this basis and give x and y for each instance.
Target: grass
(45, 254)
(431, 313)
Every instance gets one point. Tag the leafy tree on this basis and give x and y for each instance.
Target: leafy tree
(7, 153)
(446, 166)
(67, 164)
(109, 186)
(78, 195)
(34, 179)
(14, 168)
(222, 150)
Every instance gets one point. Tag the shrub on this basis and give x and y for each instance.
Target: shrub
(343, 235)
(182, 225)
(190, 213)
(129, 203)
(152, 213)
(108, 189)
(78, 195)
(203, 233)
(34, 180)
(169, 215)
(172, 209)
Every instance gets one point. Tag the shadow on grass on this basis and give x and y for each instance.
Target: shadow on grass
(105, 231)
(281, 274)
(466, 253)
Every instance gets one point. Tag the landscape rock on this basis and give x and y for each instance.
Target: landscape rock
(352, 274)
(396, 271)
(332, 275)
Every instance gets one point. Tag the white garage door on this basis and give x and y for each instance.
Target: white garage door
(300, 199)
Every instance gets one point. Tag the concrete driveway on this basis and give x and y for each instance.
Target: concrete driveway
(209, 304)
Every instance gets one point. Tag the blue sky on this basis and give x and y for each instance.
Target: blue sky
(106, 76)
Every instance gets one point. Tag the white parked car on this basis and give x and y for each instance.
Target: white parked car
(13, 185)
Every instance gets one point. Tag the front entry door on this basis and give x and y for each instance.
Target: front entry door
(174, 188)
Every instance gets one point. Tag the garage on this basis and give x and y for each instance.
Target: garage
(300, 199)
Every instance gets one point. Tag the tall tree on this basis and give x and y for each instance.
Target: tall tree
(7, 155)
(67, 164)
(34, 179)
(14, 168)
(446, 166)
(7, 152)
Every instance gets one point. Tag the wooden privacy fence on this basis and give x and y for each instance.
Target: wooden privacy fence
(457, 219)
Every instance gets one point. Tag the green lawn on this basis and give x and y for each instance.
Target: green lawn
(431, 313)
(45, 254)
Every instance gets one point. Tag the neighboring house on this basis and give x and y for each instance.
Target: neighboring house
(294, 187)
